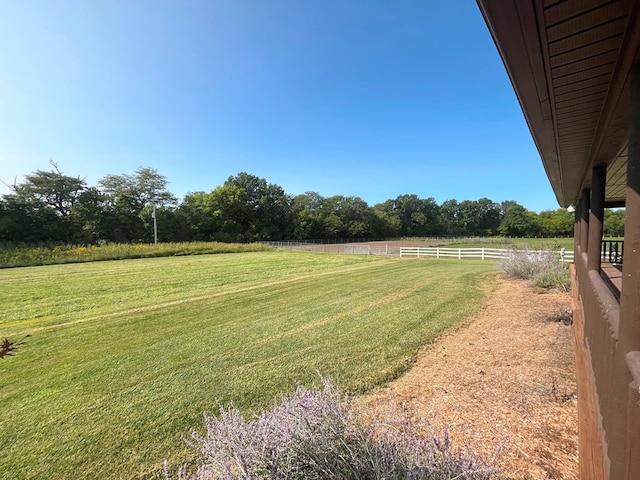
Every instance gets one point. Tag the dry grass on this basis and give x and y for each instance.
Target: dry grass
(505, 382)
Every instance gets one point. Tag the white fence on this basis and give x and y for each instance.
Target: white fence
(483, 253)
(478, 253)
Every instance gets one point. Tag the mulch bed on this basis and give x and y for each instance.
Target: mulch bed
(503, 384)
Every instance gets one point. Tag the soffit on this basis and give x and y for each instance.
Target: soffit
(568, 61)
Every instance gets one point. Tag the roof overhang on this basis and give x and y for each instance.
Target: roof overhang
(569, 63)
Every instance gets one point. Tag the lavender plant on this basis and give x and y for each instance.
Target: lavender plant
(542, 267)
(315, 434)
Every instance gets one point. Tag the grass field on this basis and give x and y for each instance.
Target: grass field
(545, 243)
(534, 243)
(124, 356)
(36, 256)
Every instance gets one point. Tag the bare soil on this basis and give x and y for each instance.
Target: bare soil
(340, 247)
(502, 384)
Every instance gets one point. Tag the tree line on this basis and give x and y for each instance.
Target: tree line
(49, 207)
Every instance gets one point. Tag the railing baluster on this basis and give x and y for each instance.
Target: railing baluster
(613, 251)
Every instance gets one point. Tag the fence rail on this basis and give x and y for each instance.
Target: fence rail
(483, 253)
(477, 253)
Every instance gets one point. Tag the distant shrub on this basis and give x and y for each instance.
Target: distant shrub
(543, 267)
(314, 434)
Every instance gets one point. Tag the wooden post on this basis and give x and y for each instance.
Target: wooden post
(623, 451)
(584, 221)
(630, 295)
(576, 230)
(598, 180)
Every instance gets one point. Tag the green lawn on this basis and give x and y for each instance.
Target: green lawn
(550, 243)
(535, 243)
(124, 356)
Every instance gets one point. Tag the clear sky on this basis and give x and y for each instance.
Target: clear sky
(371, 98)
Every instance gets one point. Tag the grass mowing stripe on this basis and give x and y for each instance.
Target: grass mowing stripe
(159, 305)
(112, 399)
(62, 293)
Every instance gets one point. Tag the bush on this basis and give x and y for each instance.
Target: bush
(543, 267)
(560, 280)
(314, 434)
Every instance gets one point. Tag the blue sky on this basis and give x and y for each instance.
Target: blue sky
(343, 97)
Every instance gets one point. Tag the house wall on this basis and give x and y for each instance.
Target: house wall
(607, 331)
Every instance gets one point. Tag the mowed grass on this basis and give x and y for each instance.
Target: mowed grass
(520, 243)
(125, 356)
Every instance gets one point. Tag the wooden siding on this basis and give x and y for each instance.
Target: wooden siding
(584, 42)
(568, 61)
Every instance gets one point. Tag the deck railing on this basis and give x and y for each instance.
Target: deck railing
(612, 251)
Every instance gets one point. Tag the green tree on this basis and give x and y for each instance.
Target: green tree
(145, 187)
(89, 217)
(613, 225)
(21, 222)
(309, 216)
(468, 218)
(488, 217)
(40, 210)
(449, 217)
(268, 214)
(196, 211)
(356, 217)
(519, 222)
(223, 214)
(126, 199)
(51, 189)
(416, 217)
(387, 219)
(232, 213)
(507, 205)
(556, 223)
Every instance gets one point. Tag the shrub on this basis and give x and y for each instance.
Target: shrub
(557, 279)
(543, 267)
(314, 434)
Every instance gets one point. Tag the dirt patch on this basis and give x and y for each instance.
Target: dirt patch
(503, 383)
(374, 247)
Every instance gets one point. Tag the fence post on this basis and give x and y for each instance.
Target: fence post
(482, 253)
(437, 252)
(459, 253)
(418, 249)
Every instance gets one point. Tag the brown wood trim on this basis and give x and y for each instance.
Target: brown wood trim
(596, 219)
(609, 306)
(633, 414)
(512, 25)
(590, 445)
